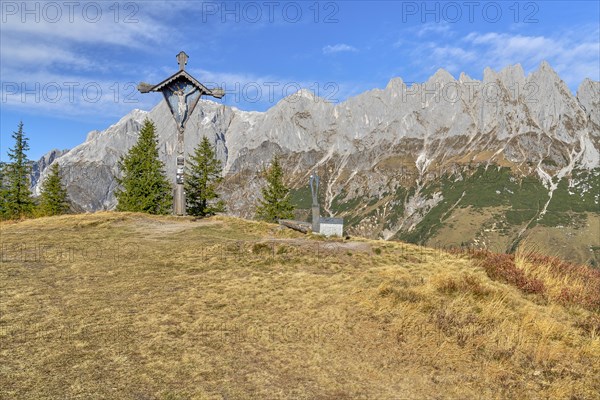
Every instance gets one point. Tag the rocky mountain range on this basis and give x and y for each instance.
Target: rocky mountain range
(511, 159)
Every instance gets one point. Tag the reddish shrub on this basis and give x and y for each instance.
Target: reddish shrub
(502, 267)
(589, 296)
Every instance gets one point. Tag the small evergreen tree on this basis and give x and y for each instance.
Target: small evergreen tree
(3, 210)
(53, 198)
(276, 202)
(202, 179)
(16, 194)
(143, 185)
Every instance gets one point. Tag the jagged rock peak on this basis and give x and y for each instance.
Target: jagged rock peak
(395, 84)
(489, 75)
(512, 74)
(589, 88)
(302, 98)
(305, 94)
(465, 78)
(545, 66)
(588, 95)
(92, 135)
(136, 114)
(546, 73)
(442, 76)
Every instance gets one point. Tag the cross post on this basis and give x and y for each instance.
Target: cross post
(181, 92)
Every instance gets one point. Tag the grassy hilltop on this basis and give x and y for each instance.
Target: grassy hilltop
(131, 306)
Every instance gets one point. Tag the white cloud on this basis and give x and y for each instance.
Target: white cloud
(441, 29)
(504, 48)
(455, 54)
(25, 55)
(70, 95)
(338, 48)
(127, 28)
(571, 54)
(410, 36)
(252, 92)
(574, 55)
(40, 55)
(73, 35)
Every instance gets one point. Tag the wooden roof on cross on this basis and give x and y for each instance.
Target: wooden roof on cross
(181, 74)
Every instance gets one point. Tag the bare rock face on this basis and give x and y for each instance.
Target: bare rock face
(588, 96)
(43, 163)
(370, 145)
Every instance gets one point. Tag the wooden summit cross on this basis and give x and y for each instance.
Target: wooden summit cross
(181, 92)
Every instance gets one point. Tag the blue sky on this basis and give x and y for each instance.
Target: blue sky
(78, 62)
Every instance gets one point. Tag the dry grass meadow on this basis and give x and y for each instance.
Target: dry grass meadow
(130, 306)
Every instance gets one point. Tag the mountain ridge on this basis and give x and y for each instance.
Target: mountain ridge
(389, 146)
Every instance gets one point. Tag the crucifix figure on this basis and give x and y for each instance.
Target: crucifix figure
(181, 102)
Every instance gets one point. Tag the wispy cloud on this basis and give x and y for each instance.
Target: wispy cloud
(570, 53)
(440, 29)
(414, 37)
(62, 67)
(574, 54)
(260, 92)
(71, 95)
(338, 48)
(106, 24)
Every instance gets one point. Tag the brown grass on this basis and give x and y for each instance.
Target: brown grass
(548, 277)
(565, 282)
(129, 306)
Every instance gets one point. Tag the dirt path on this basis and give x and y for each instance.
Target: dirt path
(327, 245)
(172, 226)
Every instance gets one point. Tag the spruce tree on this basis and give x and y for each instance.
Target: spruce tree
(16, 194)
(143, 185)
(3, 210)
(276, 202)
(202, 179)
(53, 198)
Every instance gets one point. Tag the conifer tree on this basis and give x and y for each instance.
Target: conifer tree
(16, 194)
(276, 202)
(53, 198)
(3, 210)
(143, 185)
(202, 179)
